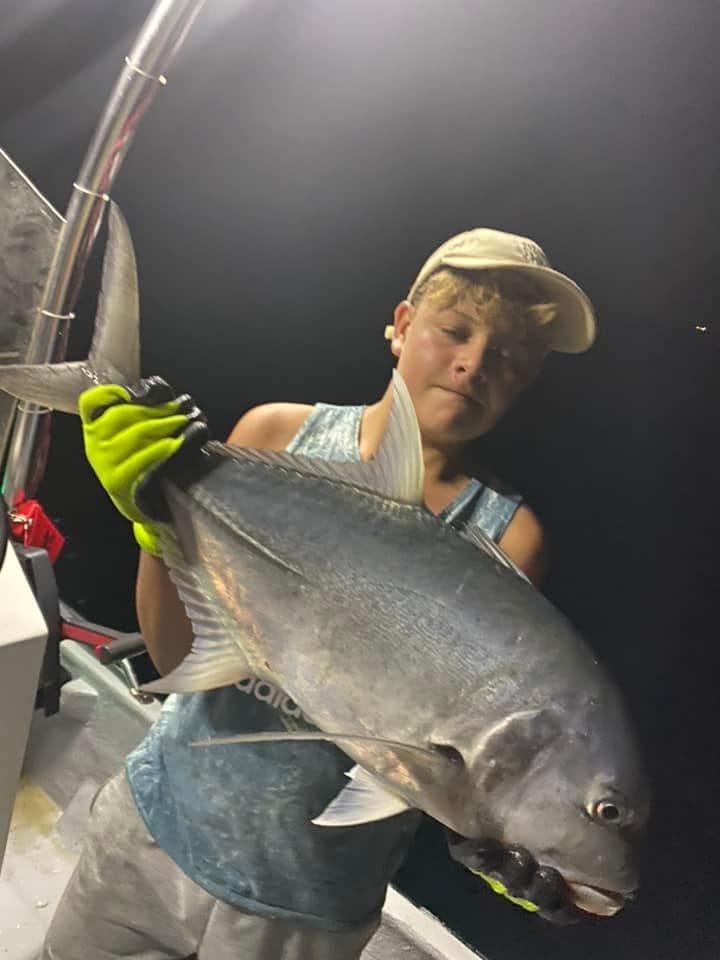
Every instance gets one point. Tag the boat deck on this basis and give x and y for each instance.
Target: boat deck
(68, 757)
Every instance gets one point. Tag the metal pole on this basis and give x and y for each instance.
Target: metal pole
(159, 39)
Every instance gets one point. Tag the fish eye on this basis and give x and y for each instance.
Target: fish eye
(608, 811)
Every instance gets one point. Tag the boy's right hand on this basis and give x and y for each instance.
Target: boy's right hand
(514, 874)
(128, 434)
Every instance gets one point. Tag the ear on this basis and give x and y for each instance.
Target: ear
(402, 315)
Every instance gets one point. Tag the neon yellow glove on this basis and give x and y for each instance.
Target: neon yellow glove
(125, 441)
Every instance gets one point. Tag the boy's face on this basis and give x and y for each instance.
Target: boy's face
(463, 373)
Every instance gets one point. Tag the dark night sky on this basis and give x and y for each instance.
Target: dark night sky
(302, 162)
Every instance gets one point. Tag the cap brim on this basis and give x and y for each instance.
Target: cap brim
(573, 329)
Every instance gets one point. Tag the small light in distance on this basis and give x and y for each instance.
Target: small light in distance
(701, 328)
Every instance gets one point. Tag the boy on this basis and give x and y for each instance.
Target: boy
(200, 850)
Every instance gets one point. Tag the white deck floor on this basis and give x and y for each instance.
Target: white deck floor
(35, 870)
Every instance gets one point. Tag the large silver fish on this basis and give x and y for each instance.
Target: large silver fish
(455, 685)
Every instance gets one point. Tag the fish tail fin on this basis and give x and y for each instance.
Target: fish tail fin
(115, 352)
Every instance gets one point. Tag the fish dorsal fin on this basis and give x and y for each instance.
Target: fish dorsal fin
(485, 543)
(363, 800)
(215, 658)
(116, 341)
(396, 472)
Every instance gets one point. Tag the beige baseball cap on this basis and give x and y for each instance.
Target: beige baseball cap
(572, 330)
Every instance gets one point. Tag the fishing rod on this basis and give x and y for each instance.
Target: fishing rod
(159, 39)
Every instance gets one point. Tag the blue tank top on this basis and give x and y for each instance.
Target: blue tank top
(237, 819)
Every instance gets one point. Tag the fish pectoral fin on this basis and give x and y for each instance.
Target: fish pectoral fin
(215, 658)
(363, 800)
(273, 736)
(397, 470)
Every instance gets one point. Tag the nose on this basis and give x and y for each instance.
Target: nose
(470, 360)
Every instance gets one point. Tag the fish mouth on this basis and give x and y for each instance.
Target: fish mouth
(602, 903)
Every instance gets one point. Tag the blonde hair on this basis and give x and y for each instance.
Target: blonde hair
(506, 299)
